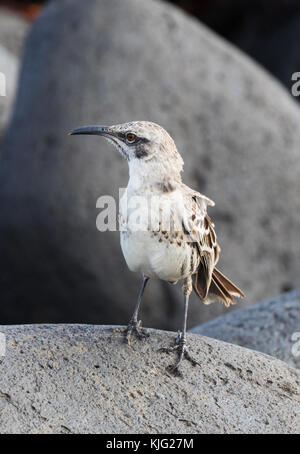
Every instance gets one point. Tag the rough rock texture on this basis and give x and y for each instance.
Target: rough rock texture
(83, 379)
(9, 66)
(267, 327)
(13, 30)
(238, 131)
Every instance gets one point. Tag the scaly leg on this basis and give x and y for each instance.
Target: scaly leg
(180, 343)
(134, 326)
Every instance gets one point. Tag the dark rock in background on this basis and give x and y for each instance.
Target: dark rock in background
(267, 31)
(272, 327)
(236, 128)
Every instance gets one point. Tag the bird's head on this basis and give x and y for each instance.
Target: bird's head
(140, 142)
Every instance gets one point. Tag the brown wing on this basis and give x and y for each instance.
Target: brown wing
(200, 229)
(210, 284)
(209, 252)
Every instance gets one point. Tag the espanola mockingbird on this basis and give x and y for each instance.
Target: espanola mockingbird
(176, 240)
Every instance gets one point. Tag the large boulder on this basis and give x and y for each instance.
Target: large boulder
(272, 327)
(83, 379)
(237, 129)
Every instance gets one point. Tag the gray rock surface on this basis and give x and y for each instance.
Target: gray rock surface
(13, 30)
(268, 327)
(237, 129)
(83, 379)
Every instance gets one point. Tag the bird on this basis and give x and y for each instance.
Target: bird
(176, 239)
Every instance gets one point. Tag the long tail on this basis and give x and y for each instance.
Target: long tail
(221, 289)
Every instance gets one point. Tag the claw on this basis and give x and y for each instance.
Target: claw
(181, 348)
(135, 327)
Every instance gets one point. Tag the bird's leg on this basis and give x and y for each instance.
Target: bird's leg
(180, 343)
(134, 326)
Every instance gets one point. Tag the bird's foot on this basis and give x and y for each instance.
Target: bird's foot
(182, 351)
(135, 328)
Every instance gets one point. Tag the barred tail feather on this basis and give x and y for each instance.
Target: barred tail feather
(221, 290)
(231, 287)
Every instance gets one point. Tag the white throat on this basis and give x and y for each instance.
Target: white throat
(148, 173)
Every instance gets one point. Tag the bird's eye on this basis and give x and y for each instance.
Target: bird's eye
(130, 137)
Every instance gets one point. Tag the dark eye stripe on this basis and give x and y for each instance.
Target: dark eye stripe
(138, 140)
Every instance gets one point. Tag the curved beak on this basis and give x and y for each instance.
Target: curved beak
(92, 131)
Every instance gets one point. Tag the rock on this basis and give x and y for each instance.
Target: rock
(13, 30)
(9, 67)
(270, 41)
(237, 129)
(83, 379)
(270, 327)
